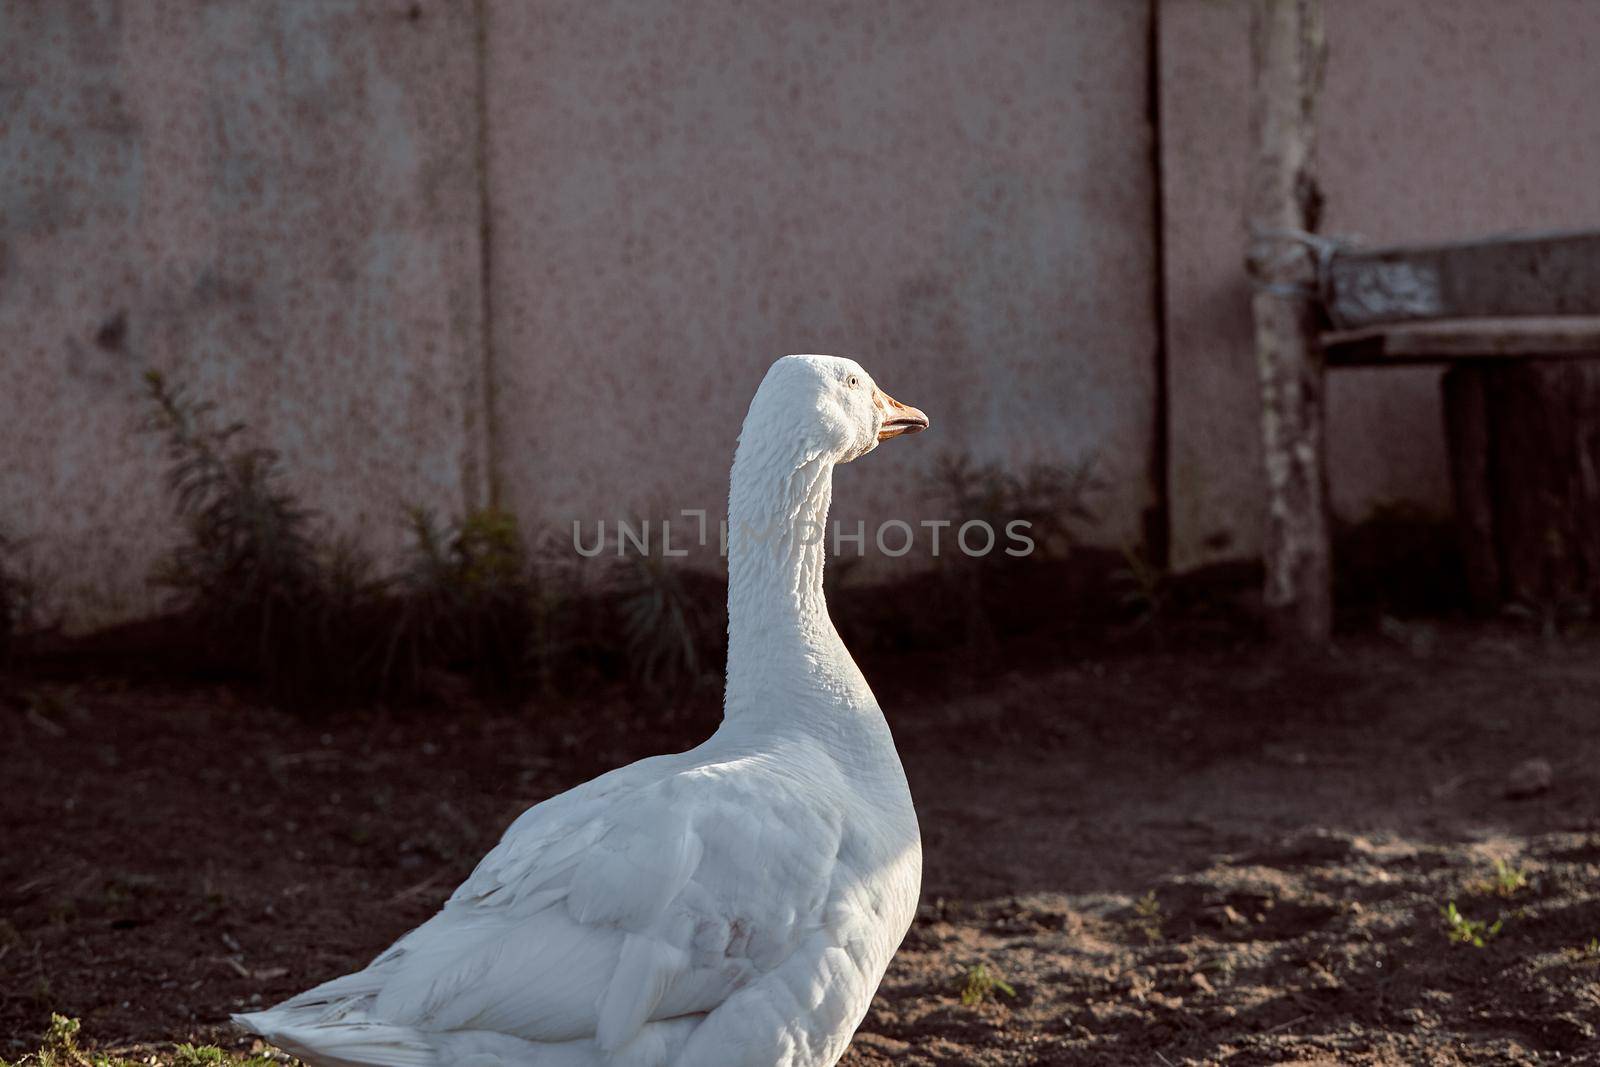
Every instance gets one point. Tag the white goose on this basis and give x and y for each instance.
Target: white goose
(735, 905)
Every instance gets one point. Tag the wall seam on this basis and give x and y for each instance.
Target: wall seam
(1158, 517)
(488, 491)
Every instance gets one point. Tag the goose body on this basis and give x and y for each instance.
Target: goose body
(735, 905)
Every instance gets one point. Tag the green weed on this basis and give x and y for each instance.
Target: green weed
(1464, 931)
(468, 600)
(1148, 917)
(60, 1049)
(1144, 588)
(252, 572)
(1508, 880)
(1056, 500)
(1053, 502)
(1586, 954)
(672, 626)
(18, 596)
(979, 984)
(303, 611)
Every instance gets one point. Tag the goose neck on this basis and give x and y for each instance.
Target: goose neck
(779, 633)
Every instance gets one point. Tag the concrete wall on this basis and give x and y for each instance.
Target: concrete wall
(1438, 121)
(276, 203)
(540, 251)
(281, 204)
(957, 194)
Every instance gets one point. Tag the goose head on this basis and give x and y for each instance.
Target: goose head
(830, 406)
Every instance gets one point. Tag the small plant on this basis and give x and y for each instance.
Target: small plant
(1054, 499)
(60, 1049)
(18, 596)
(1509, 878)
(273, 594)
(1507, 881)
(250, 572)
(1148, 917)
(979, 984)
(1144, 588)
(672, 625)
(468, 599)
(1586, 954)
(1464, 931)
(61, 1043)
(250, 549)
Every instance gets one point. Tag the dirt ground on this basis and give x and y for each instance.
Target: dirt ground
(1197, 857)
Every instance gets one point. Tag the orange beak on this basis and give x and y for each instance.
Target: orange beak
(898, 419)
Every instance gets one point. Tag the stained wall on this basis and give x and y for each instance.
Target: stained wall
(1437, 121)
(957, 194)
(277, 204)
(540, 253)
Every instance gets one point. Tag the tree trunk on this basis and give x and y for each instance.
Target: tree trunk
(1287, 42)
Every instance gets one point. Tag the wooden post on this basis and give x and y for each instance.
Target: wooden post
(1467, 429)
(1525, 461)
(1287, 46)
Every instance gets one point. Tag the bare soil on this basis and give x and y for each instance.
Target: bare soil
(1198, 857)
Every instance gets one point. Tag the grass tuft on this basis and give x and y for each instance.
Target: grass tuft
(1507, 881)
(1148, 918)
(979, 984)
(672, 627)
(469, 600)
(18, 596)
(251, 571)
(301, 611)
(1464, 931)
(60, 1049)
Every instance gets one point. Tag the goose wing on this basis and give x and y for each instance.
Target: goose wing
(652, 893)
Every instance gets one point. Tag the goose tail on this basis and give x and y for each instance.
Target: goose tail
(307, 1033)
(341, 1043)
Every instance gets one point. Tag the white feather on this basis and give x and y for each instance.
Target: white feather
(731, 906)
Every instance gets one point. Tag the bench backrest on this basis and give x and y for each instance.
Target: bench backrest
(1555, 274)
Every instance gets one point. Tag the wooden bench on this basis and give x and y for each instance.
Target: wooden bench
(1517, 322)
